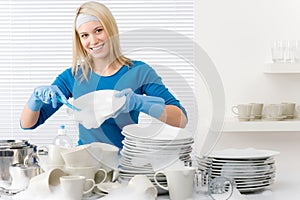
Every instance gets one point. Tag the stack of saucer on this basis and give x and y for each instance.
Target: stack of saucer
(251, 169)
(151, 148)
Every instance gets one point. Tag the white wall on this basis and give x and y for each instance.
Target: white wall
(237, 36)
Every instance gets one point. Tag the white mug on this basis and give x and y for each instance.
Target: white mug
(180, 182)
(142, 184)
(75, 187)
(45, 181)
(288, 110)
(274, 111)
(88, 172)
(243, 111)
(256, 110)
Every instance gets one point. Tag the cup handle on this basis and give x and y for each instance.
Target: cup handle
(105, 175)
(91, 188)
(161, 186)
(234, 109)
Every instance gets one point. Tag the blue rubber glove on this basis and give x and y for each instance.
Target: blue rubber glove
(45, 95)
(153, 106)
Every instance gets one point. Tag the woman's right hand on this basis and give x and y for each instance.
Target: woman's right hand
(45, 95)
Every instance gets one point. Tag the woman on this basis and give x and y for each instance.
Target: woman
(98, 64)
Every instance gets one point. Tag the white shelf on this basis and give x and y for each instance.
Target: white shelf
(282, 68)
(233, 125)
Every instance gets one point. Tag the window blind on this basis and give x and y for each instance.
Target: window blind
(36, 45)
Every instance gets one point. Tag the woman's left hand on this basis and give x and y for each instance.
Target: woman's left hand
(151, 105)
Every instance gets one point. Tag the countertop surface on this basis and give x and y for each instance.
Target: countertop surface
(286, 186)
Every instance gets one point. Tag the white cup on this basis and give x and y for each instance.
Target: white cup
(99, 175)
(278, 51)
(45, 181)
(288, 110)
(243, 111)
(256, 110)
(180, 182)
(80, 156)
(75, 187)
(274, 111)
(141, 184)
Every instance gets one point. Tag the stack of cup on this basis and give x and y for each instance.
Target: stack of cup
(285, 110)
(246, 112)
(92, 161)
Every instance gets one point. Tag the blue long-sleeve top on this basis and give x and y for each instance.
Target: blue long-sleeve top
(140, 77)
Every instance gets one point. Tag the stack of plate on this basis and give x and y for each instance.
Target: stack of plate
(154, 147)
(251, 169)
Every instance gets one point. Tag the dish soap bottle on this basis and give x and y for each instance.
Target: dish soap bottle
(61, 139)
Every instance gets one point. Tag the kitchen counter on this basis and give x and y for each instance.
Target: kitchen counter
(278, 192)
(286, 186)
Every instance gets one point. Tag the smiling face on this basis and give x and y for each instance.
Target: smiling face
(94, 39)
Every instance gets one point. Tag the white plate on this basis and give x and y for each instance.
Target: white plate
(156, 131)
(245, 168)
(155, 148)
(254, 180)
(244, 162)
(259, 182)
(245, 176)
(102, 102)
(229, 167)
(107, 187)
(276, 118)
(170, 143)
(243, 173)
(248, 153)
(253, 189)
(261, 163)
(157, 145)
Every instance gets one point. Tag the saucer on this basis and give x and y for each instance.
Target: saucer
(276, 118)
(290, 116)
(256, 116)
(244, 118)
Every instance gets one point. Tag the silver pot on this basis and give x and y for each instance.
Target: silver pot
(13, 152)
(21, 175)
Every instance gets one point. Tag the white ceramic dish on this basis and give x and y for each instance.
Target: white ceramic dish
(102, 102)
(276, 118)
(248, 153)
(239, 163)
(171, 144)
(157, 132)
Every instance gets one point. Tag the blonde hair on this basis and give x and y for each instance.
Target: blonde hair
(81, 58)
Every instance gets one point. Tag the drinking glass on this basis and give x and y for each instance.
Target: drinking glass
(278, 49)
(217, 188)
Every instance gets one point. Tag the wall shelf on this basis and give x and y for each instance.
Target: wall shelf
(282, 68)
(233, 125)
